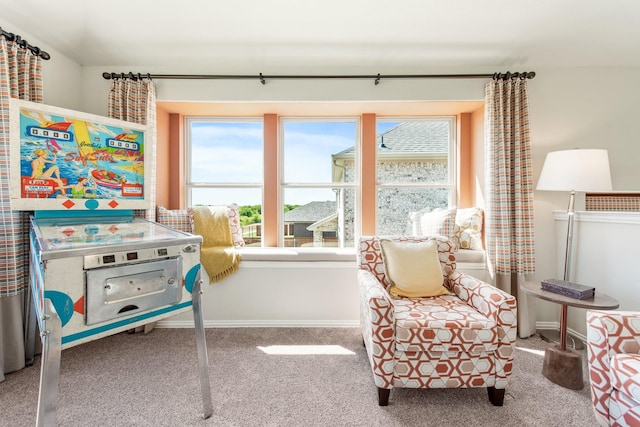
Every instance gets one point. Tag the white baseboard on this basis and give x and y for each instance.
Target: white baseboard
(556, 326)
(261, 324)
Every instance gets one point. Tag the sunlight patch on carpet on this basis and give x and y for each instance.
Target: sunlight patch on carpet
(305, 350)
(532, 351)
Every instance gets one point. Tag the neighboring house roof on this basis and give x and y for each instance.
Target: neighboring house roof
(311, 212)
(410, 138)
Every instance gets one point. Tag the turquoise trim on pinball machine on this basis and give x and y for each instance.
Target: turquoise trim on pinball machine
(124, 322)
(72, 214)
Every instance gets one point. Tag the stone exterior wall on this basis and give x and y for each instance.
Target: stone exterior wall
(395, 204)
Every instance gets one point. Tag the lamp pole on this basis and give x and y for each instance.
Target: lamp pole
(568, 249)
(567, 269)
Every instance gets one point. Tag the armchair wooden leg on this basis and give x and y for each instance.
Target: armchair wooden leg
(496, 396)
(383, 396)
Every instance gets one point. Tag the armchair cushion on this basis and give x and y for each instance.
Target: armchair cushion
(444, 323)
(413, 268)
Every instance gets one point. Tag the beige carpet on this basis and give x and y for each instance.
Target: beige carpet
(151, 380)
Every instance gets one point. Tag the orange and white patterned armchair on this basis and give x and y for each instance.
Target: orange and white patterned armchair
(613, 349)
(464, 337)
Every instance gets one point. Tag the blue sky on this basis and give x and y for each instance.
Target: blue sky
(232, 152)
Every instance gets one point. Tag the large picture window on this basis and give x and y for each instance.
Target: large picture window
(318, 176)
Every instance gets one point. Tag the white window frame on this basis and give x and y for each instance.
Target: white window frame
(283, 185)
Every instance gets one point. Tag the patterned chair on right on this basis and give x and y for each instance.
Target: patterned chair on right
(462, 335)
(613, 347)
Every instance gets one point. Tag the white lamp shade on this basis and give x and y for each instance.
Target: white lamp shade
(576, 170)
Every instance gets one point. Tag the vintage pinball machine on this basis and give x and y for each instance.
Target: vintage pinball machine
(95, 268)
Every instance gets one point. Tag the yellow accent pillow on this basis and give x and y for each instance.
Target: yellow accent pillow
(413, 268)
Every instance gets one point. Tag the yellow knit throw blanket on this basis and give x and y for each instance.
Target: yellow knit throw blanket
(217, 254)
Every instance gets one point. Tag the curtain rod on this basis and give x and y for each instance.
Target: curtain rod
(263, 77)
(25, 44)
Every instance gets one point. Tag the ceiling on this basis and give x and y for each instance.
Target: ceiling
(332, 36)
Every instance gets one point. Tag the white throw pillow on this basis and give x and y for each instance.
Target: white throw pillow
(438, 222)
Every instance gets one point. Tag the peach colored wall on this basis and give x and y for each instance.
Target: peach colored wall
(368, 175)
(270, 198)
(163, 163)
(176, 156)
(476, 153)
(464, 158)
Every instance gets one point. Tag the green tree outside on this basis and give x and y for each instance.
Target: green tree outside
(252, 214)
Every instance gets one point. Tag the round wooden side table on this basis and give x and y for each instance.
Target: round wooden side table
(563, 365)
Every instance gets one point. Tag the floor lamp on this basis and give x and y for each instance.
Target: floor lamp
(574, 170)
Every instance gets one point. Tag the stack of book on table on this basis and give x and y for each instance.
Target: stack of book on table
(568, 289)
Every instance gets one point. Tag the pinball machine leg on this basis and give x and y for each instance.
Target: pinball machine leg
(50, 366)
(203, 360)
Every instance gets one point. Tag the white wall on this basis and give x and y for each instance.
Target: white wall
(585, 108)
(605, 253)
(280, 294)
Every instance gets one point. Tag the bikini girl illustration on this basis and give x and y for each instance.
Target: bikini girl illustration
(39, 168)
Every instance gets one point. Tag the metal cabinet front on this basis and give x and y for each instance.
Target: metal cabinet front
(113, 292)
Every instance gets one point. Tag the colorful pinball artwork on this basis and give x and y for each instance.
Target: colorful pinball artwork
(69, 160)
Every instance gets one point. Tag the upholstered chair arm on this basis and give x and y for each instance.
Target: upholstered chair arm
(608, 333)
(496, 305)
(377, 324)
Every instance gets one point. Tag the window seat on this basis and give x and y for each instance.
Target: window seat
(249, 253)
(470, 261)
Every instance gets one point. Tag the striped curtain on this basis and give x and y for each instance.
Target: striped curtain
(135, 101)
(20, 77)
(509, 192)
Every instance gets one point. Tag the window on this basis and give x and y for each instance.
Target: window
(415, 170)
(318, 173)
(318, 188)
(225, 165)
